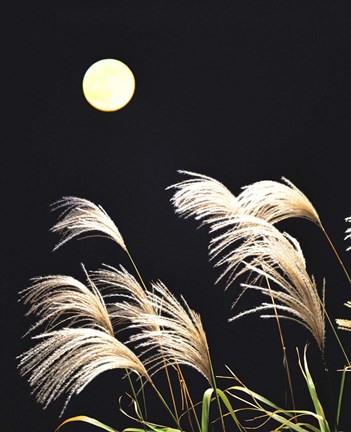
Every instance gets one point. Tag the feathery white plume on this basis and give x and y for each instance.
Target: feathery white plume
(348, 232)
(203, 198)
(274, 201)
(60, 299)
(344, 324)
(66, 360)
(175, 331)
(209, 200)
(245, 240)
(254, 236)
(128, 298)
(82, 216)
(163, 324)
(267, 253)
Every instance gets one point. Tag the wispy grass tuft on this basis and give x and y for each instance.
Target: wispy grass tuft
(127, 298)
(275, 201)
(268, 254)
(208, 200)
(63, 300)
(175, 331)
(80, 216)
(348, 232)
(245, 239)
(203, 198)
(344, 324)
(66, 360)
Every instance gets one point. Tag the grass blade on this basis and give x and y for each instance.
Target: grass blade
(342, 383)
(152, 427)
(89, 420)
(205, 416)
(229, 407)
(323, 424)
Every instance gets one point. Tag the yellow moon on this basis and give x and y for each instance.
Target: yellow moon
(108, 85)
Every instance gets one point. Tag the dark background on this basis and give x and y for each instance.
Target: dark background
(238, 90)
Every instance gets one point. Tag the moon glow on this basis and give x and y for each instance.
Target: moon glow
(108, 85)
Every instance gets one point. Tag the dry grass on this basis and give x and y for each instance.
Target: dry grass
(80, 216)
(65, 361)
(208, 200)
(245, 239)
(77, 323)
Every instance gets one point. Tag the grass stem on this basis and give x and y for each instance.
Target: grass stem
(187, 396)
(285, 357)
(338, 410)
(216, 393)
(336, 254)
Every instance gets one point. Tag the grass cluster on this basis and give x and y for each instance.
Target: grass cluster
(77, 323)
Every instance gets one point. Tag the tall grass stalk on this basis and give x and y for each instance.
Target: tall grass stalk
(341, 393)
(285, 357)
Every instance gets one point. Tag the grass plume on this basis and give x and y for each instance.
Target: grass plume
(77, 322)
(66, 360)
(61, 299)
(176, 332)
(345, 324)
(80, 216)
(243, 232)
(128, 299)
(208, 200)
(266, 253)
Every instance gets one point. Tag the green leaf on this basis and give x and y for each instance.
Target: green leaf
(89, 420)
(323, 424)
(229, 407)
(153, 428)
(206, 402)
(338, 410)
(205, 415)
(284, 417)
(157, 428)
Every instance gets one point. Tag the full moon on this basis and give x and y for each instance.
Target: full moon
(108, 85)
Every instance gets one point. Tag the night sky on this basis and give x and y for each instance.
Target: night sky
(238, 90)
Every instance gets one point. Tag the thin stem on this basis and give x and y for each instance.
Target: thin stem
(336, 335)
(285, 357)
(323, 305)
(329, 383)
(187, 395)
(144, 399)
(166, 405)
(135, 397)
(188, 412)
(215, 390)
(170, 386)
(136, 270)
(340, 398)
(336, 254)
